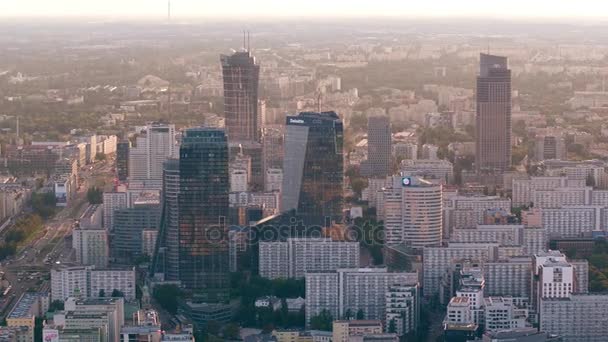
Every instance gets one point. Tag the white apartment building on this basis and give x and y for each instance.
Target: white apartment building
(572, 221)
(104, 313)
(579, 317)
(532, 240)
(297, 256)
(468, 211)
(153, 146)
(352, 290)
(524, 189)
(510, 277)
(91, 246)
(502, 314)
(459, 311)
(403, 308)
(112, 201)
(86, 281)
(238, 180)
(437, 260)
(562, 197)
(274, 180)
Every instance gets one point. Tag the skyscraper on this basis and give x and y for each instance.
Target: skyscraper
(169, 235)
(153, 147)
(203, 208)
(379, 145)
(412, 212)
(241, 78)
(313, 167)
(122, 160)
(493, 145)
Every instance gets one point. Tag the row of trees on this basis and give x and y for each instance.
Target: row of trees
(24, 229)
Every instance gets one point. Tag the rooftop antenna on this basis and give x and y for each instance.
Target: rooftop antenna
(319, 102)
(488, 45)
(244, 41)
(168, 10)
(248, 42)
(17, 129)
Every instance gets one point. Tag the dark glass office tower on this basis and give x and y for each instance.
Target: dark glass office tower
(241, 78)
(379, 145)
(313, 167)
(122, 160)
(493, 145)
(203, 208)
(170, 228)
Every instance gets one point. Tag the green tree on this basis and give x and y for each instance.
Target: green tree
(322, 321)
(95, 195)
(348, 314)
(360, 314)
(392, 327)
(167, 296)
(212, 327)
(56, 305)
(100, 156)
(102, 293)
(231, 331)
(117, 293)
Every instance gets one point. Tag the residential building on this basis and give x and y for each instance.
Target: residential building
(578, 317)
(91, 246)
(502, 314)
(155, 143)
(87, 281)
(350, 290)
(343, 330)
(403, 308)
(297, 256)
(112, 201)
(438, 171)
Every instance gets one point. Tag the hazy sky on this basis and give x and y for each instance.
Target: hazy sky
(271, 8)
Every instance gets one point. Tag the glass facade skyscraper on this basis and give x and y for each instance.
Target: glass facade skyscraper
(122, 160)
(203, 208)
(493, 145)
(313, 167)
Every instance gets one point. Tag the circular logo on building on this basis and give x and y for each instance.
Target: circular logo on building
(406, 181)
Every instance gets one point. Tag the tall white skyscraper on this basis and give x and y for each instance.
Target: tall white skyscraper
(155, 145)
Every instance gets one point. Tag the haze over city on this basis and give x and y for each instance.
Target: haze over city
(581, 9)
(303, 171)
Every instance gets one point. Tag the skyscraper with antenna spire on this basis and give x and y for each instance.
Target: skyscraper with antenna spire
(241, 76)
